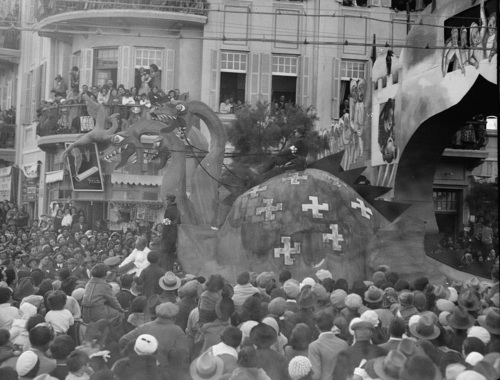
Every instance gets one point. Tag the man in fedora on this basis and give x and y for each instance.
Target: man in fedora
(172, 342)
(207, 367)
(459, 320)
(362, 348)
(171, 219)
(274, 364)
(169, 283)
(490, 320)
(306, 301)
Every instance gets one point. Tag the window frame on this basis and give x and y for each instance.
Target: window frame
(293, 63)
(240, 62)
(157, 60)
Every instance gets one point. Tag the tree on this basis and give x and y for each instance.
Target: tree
(257, 134)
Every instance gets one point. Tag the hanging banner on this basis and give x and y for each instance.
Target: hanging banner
(85, 168)
(5, 183)
(30, 170)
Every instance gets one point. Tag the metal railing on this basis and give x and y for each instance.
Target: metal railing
(53, 7)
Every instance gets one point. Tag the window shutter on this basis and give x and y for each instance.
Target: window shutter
(214, 80)
(254, 78)
(9, 95)
(124, 75)
(335, 88)
(265, 77)
(86, 69)
(168, 70)
(303, 97)
(34, 80)
(26, 118)
(43, 81)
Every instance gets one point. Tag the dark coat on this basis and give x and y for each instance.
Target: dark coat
(99, 302)
(350, 358)
(273, 363)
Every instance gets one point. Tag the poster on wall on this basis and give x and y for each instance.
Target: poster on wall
(85, 168)
(384, 144)
(5, 183)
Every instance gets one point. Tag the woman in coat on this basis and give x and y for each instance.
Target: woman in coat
(99, 302)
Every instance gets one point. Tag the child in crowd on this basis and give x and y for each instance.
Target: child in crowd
(58, 317)
(78, 366)
(7, 349)
(209, 298)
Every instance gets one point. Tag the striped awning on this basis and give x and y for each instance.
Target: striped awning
(51, 177)
(134, 179)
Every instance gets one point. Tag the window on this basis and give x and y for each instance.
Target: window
(285, 65)
(233, 76)
(285, 70)
(143, 59)
(445, 200)
(233, 62)
(352, 69)
(105, 66)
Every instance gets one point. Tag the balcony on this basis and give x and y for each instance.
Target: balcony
(9, 39)
(77, 16)
(7, 142)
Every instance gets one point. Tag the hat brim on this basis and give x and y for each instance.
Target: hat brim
(477, 305)
(451, 322)
(174, 287)
(434, 335)
(217, 374)
(492, 330)
(374, 301)
(378, 367)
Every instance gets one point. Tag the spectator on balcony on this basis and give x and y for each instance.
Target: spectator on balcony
(110, 84)
(135, 95)
(74, 78)
(114, 98)
(171, 95)
(155, 75)
(128, 99)
(103, 96)
(85, 91)
(145, 79)
(67, 219)
(145, 100)
(73, 96)
(95, 91)
(59, 87)
(121, 89)
(157, 96)
(226, 106)
(177, 93)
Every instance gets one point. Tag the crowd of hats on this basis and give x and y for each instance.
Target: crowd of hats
(443, 330)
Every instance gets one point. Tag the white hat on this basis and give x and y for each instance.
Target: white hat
(479, 332)
(26, 362)
(299, 367)
(145, 344)
(307, 281)
(470, 375)
(323, 274)
(453, 297)
(473, 358)
(413, 319)
(370, 316)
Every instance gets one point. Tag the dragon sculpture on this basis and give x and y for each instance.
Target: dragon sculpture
(298, 220)
(99, 134)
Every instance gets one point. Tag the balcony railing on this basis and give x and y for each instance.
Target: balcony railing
(7, 136)
(64, 119)
(54, 7)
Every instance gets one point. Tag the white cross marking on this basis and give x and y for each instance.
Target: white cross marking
(287, 250)
(269, 209)
(294, 178)
(365, 211)
(254, 192)
(315, 207)
(335, 237)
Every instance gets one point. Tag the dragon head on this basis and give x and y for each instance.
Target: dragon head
(173, 114)
(141, 138)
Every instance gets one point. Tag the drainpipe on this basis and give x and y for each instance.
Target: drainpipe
(315, 60)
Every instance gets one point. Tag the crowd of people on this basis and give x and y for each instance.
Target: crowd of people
(146, 93)
(81, 302)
